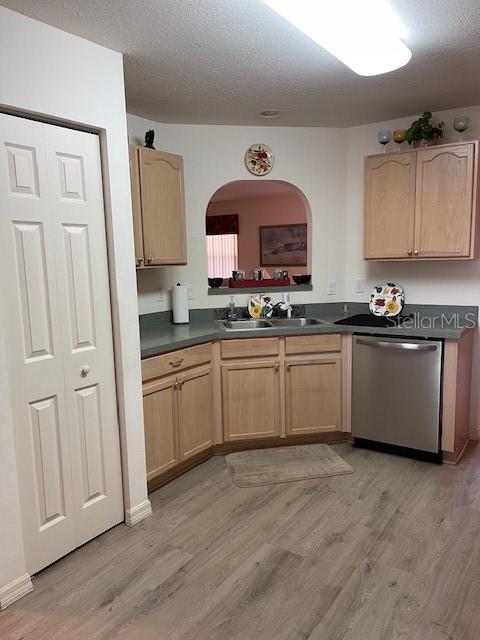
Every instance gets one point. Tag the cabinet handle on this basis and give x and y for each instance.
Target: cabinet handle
(277, 366)
(176, 363)
(85, 371)
(139, 262)
(288, 365)
(415, 252)
(148, 260)
(409, 252)
(180, 384)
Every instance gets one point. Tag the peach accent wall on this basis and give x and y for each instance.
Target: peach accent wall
(254, 213)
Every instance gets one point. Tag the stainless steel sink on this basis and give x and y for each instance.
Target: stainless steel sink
(295, 322)
(244, 325)
(253, 325)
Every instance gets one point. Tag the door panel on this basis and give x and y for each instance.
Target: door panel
(389, 205)
(47, 455)
(79, 283)
(443, 215)
(195, 412)
(32, 274)
(92, 455)
(60, 351)
(314, 395)
(160, 420)
(76, 200)
(251, 399)
(34, 348)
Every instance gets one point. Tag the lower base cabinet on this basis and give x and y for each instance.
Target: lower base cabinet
(161, 426)
(264, 388)
(195, 412)
(251, 399)
(178, 415)
(313, 394)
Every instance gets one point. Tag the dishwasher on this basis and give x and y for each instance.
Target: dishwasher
(396, 395)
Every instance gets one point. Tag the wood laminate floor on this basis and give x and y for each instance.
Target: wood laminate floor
(389, 552)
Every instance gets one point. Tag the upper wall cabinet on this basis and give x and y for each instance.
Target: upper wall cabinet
(422, 204)
(158, 207)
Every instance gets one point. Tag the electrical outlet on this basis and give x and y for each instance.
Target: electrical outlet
(359, 285)
(331, 287)
(161, 295)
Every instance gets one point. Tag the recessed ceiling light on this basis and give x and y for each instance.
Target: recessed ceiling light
(269, 113)
(363, 34)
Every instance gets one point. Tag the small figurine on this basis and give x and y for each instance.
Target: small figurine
(149, 136)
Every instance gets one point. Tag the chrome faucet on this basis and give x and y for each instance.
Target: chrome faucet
(232, 312)
(285, 305)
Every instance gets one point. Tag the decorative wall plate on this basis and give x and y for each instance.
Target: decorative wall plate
(387, 299)
(256, 304)
(259, 159)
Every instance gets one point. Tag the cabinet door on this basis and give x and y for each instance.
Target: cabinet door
(195, 412)
(161, 432)
(314, 394)
(389, 205)
(444, 207)
(163, 210)
(250, 392)
(136, 204)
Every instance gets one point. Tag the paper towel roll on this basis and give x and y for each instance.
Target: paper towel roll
(180, 304)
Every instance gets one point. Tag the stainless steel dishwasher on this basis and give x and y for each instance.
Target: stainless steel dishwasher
(396, 395)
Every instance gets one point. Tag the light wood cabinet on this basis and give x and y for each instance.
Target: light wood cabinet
(178, 419)
(158, 207)
(195, 411)
(444, 201)
(313, 394)
(422, 204)
(251, 399)
(389, 205)
(160, 416)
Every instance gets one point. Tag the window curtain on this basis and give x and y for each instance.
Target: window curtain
(222, 225)
(222, 254)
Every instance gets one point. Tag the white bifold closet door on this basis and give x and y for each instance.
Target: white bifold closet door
(56, 307)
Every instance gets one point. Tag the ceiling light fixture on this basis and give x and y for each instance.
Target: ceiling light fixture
(269, 113)
(363, 34)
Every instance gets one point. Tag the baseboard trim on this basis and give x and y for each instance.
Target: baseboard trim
(138, 513)
(15, 590)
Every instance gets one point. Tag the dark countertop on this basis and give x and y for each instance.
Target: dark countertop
(158, 335)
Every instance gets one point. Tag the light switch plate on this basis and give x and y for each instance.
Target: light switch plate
(161, 295)
(359, 285)
(190, 292)
(331, 287)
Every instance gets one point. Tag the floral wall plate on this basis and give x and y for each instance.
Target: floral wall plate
(387, 299)
(259, 159)
(256, 304)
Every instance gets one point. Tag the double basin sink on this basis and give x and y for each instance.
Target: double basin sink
(263, 323)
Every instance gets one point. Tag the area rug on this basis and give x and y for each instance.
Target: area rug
(285, 464)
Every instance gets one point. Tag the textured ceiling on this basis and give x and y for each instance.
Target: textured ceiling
(223, 61)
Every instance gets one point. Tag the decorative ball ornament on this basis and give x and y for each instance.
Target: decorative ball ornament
(259, 159)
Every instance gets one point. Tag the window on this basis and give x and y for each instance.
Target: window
(222, 255)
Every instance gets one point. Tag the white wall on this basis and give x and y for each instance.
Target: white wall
(48, 72)
(313, 159)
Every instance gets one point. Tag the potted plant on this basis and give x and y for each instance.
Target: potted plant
(423, 129)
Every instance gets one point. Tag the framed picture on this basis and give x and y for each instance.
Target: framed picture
(283, 245)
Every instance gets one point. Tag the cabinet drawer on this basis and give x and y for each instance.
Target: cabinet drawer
(250, 347)
(313, 343)
(175, 361)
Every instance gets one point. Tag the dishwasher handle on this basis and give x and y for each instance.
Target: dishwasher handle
(403, 346)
